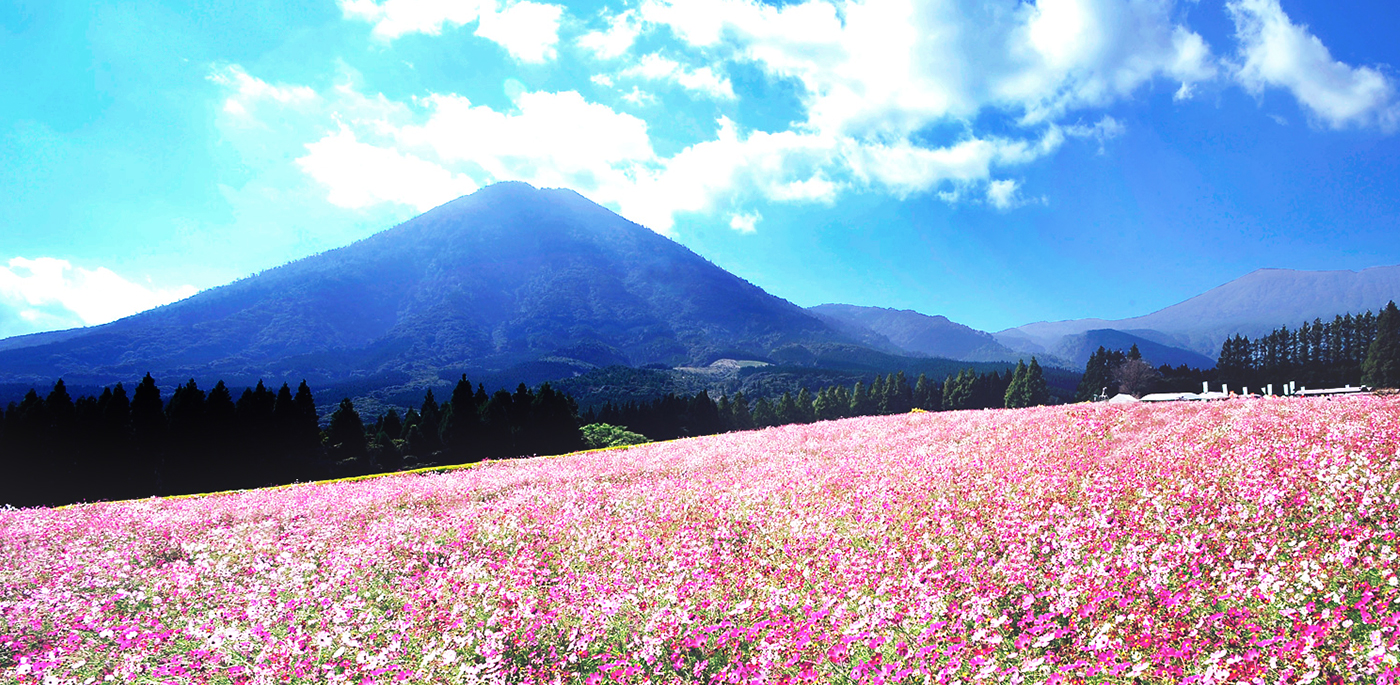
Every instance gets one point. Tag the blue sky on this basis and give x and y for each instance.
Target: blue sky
(997, 162)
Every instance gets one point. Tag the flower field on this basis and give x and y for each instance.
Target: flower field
(1241, 541)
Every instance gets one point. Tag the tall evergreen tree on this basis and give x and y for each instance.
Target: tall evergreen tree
(764, 414)
(1382, 366)
(430, 422)
(957, 390)
(1017, 394)
(460, 424)
(347, 432)
(743, 419)
(1035, 383)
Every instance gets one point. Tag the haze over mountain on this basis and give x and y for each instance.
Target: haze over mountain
(508, 276)
(1251, 305)
(916, 333)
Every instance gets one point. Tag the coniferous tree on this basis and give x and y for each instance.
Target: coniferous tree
(187, 464)
(703, 415)
(1381, 369)
(1035, 383)
(460, 424)
(743, 420)
(861, 405)
(148, 433)
(926, 395)
(61, 453)
(957, 391)
(1017, 392)
(346, 433)
(306, 435)
(786, 409)
(764, 414)
(806, 412)
(430, 422)
(900, 397)
(556, 416)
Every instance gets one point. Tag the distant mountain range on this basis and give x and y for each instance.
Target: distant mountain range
(1251, 305)
(517, 284)
(915, 333)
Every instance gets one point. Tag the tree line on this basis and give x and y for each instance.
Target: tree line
(55, 449)
(1348, 350)
(116, 445)
(675, 416)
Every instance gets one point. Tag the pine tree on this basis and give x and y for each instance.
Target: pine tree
(957, 391)
(861, 404)
(347, 432)
(460, 424)
(725, 412)
(743, 420)
(1382, 366)
(763, 413)
(430, 423)
(1017, 392)
(787, 409)
(148, 433)
(306, 436)
(1038, 389)
(806, 412)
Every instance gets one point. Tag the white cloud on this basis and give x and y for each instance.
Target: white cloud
(1002, 194)
(246, 92)
(602, 80)
(1103, 130)
(360, 175)
(616, 40)
(48, 293)
(892, 67)
(527, 30)
(704, 80)
(1275, 52)
(639, 97)
(745, 222)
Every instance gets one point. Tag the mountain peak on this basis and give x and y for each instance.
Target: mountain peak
(509, 275)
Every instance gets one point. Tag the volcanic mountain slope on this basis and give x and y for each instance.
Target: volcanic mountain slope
(509, 275)
(1252, 305)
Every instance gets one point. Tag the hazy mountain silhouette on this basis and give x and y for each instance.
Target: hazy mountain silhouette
(1252, 305)
(508, 276)
(915, 333)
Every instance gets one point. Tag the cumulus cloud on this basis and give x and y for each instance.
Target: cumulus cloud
(1275, 52)
(47, 293)
(1002, 194)
(703, 80)
(891, 67)
(745, 222)
(359, 175)
(527, 30)
(616, 39)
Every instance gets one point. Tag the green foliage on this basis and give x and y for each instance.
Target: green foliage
(1381, 368)
(599, 435)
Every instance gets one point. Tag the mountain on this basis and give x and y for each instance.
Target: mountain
(912, 332)
(1251, 305)
(512, 280)
(1076, 349)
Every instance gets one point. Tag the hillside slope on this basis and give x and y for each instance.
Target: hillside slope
(509, 275)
